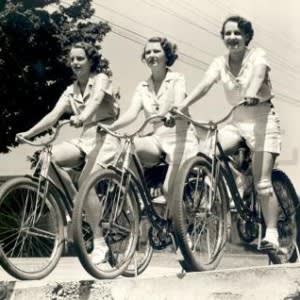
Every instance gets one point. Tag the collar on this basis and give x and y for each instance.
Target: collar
(76, 93)
(170, 75)
(248, 53)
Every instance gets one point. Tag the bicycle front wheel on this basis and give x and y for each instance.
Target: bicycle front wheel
(288, 218)
(200, 223)
(143, 253)
(118, 220)
(31, 230)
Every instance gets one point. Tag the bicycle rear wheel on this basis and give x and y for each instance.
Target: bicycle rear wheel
(201, 230)
(118, 222)
(31, 230)
(288, 220)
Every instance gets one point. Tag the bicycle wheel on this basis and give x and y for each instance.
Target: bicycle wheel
(288, 219)
(118, 222)
(201, 231)
(31, 230)
(143, 253)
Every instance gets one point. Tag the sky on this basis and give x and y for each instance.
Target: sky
(195, 25)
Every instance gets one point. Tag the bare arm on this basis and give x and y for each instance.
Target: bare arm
(256, 80)
(128, 117)
(101, 85)
(198, 92)
(49, 120)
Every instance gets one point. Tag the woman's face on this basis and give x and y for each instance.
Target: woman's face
(155, 55)
(234, 38)
(80, 64)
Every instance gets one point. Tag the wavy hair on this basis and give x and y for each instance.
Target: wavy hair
(243, 24)
(169, 48)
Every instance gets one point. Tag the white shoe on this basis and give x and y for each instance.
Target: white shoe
(160, 200)
(100, 252)
(189, 241)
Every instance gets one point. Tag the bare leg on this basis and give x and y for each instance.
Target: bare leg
(262, 166)
(67, 155)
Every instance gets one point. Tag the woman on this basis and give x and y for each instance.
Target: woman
(156, 96)
(244, 73)
(90, 100)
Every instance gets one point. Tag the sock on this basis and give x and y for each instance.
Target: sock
(272, 235)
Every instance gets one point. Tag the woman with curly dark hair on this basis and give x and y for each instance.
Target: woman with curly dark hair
(89, 99)
(244, 73)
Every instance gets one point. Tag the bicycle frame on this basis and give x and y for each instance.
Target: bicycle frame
(137, 180)
(220, 165)
(49, 174)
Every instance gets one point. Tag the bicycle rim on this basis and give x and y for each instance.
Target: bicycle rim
(201, 227)
(288, 218)
(143, 253)
(118, 222)
(31, 230)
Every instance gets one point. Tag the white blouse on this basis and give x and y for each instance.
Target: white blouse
(151, 103)
(236, 87)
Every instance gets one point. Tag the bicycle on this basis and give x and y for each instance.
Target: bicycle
(203, 189)
(116, 186)
(35, 211)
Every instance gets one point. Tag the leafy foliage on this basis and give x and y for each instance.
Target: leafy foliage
(34, 43)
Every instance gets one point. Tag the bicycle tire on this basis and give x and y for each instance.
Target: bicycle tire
(289, 218)
(191, 215)
(31, 230)
(108, 185)
(143, 253)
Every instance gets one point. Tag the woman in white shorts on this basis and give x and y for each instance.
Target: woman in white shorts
(156, 96)
(244, 73)
(90, 100)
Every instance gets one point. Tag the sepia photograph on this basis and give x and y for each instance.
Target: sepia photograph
(149, 149)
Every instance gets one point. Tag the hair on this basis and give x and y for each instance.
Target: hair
(92, 53)
(169, 48)
(243, 24)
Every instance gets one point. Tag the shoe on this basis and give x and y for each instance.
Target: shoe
(160, 200)
(100, 252)
(269, 246)
(189, 241)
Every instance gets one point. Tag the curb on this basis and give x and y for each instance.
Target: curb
(272, 282)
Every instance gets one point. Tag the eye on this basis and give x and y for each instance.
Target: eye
(237, 33)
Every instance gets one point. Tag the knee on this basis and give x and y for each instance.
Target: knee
(264, 188)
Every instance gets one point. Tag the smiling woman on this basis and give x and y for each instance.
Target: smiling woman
(244, 73)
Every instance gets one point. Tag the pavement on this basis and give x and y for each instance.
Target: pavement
(243, 273)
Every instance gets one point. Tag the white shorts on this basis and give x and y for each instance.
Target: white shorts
(259, 125)
(179, 143)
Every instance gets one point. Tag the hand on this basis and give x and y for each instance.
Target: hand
(251, 101)
(169, 120)
(76, 121)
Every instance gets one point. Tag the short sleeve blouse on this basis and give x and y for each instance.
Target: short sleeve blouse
(75, 102)
(236, 87)
(151, 103)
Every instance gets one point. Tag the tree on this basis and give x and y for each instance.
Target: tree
(34, 43)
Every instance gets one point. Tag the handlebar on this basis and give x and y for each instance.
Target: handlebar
(131, 135)
(53, 137)
(212, 125)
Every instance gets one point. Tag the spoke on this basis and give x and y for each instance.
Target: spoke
(208, 242)
(33, 231)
